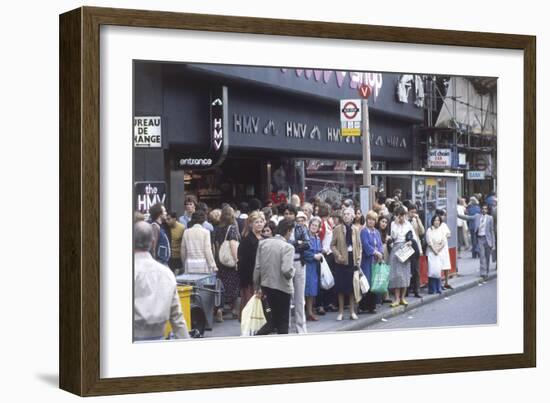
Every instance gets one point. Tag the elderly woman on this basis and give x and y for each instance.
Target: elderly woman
(373, 251)
(346, 247)
(400, 273)
(313, 257)
(438, 254)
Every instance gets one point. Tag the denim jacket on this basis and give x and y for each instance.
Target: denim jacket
(300, 241)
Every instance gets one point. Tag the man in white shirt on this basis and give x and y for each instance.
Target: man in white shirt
(156, 297)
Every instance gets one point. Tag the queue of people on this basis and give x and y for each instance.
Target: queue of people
(275, 252)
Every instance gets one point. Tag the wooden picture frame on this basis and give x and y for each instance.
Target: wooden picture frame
(80, 194)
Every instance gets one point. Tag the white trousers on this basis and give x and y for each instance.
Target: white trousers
(299, 282)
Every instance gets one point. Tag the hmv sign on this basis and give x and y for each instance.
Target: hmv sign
(148, 194)
(216, 150)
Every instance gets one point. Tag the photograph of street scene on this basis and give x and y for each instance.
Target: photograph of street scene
(277, 200)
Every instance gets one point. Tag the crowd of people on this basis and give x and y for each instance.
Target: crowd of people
(275, 252)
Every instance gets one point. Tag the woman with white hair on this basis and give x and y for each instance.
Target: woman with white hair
(346, 247)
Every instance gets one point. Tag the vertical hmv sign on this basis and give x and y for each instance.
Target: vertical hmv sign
(218, 124)
(212, 152)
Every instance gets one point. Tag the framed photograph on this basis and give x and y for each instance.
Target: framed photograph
(212, 169)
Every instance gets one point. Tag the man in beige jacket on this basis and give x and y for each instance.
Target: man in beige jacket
(273, 274)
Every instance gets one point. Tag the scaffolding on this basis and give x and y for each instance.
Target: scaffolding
(469, 120)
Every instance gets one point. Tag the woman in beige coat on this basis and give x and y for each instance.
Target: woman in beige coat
(346, 247)
(196, 247)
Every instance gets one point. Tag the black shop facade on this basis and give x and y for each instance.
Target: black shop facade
(230, 133)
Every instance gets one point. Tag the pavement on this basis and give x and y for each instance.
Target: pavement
(467, 277)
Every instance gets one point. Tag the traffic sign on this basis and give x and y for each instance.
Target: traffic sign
(365, 91)
(350, 110)
(350, 117)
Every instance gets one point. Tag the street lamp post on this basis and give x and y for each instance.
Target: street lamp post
(367, 193)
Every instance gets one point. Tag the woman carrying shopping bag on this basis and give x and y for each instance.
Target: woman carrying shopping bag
(346, 247)
(373, 251)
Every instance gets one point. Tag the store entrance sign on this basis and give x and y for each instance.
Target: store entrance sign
(213, 153)
(147, 132)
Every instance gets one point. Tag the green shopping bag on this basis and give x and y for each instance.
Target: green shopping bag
(380, 278)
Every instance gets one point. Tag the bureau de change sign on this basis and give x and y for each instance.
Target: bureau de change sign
(147, 132)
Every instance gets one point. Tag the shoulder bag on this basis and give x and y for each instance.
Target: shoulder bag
(225, 255)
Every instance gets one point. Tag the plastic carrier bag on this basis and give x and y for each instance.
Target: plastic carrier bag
(380, 278)
(327, 279)
(252, 318)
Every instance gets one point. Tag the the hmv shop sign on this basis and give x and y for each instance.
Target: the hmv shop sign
(148, 194)
(213, 152)
(147, 132)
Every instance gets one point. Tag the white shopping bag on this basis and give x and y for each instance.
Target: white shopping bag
(327, 280)
(252, 318)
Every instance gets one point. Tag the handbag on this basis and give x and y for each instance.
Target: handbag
(225, 255)
(327, 279)
(363, 282)
(404, 253)
(357, 285)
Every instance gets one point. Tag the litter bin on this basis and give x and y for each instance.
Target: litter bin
(184, 293)
(207, 293)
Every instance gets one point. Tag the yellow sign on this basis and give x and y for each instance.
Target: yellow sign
(431, 182)
(351, 131)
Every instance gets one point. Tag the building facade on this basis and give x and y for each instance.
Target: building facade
(230, 133)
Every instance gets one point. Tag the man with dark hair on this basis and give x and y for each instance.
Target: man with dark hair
(160, 247)
(190, 207)
(156, 297)
(176, 234)
(397, 194)
(254, 204)
(290, 211)
(202, 206)
(273, 274)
